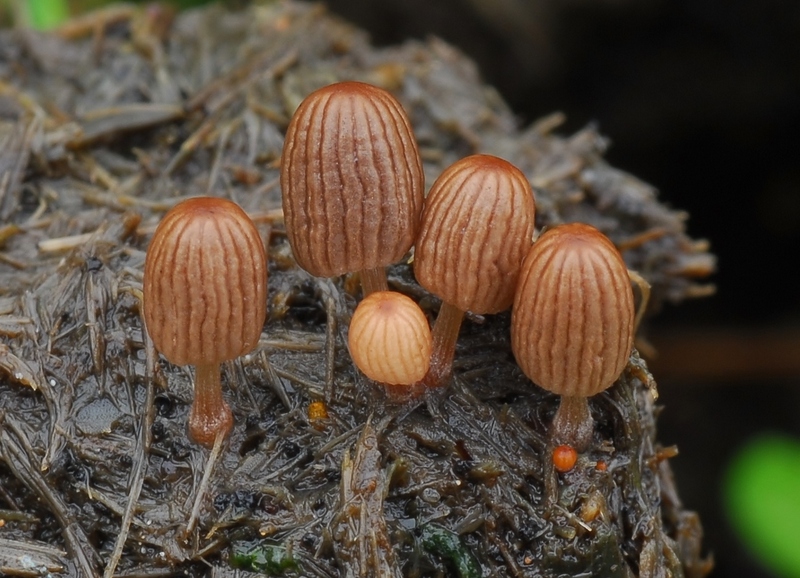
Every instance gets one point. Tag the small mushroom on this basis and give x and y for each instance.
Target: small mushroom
(352, 183)
(205, 299)
(572, 323)
(389, 339)
(476, 228)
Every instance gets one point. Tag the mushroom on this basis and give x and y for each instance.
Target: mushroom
(205, 302)
(390, 340)
(572, 323)
(352, 183)
(476, 227)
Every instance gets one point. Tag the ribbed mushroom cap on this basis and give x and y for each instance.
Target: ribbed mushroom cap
(389, 339)
(205, 283)
(352, 180)
(572, 322)
(476, 228)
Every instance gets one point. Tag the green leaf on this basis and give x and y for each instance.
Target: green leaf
(261, 557)
(442, 542)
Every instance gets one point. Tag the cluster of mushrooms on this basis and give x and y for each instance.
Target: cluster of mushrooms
(354, 202)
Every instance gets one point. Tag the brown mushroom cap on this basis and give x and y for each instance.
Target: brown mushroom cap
(352, 180)
(572, 322)
(476, 228)
(205, 283)
(389, 339)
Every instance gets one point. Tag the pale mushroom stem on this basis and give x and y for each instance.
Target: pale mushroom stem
(373, 280)
(573, 424)
(210, 413)
(445, 335)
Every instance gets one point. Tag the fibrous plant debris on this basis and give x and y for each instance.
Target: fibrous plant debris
(111, 120)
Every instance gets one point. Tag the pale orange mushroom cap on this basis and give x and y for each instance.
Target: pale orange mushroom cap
(352, 180)
(572, 321)
(477, 226)
(389, 339)
(205, 283)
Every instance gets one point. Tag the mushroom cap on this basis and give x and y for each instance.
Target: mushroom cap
(476, 228)
(390, 339)
(205, 283)
(352, 180)
(572, 321)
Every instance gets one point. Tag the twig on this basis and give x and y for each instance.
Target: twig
(274, 380)
(137, 479)
(201, 490)
(17, 455)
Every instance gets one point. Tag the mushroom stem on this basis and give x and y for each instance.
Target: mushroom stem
(373, 280)
(210, 415)
(573, 424)
(445, 335)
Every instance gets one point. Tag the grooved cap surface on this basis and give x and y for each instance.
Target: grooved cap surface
(205, 283)
(352, 180)
(572, 322)
(390, 339)
(476, 227)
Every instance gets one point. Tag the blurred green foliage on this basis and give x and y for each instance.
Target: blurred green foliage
(45, 14)
(762, 498)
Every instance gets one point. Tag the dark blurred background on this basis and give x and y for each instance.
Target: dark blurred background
(701, 99)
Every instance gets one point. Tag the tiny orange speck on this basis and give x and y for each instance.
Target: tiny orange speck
(564, 458)
(317, 411)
